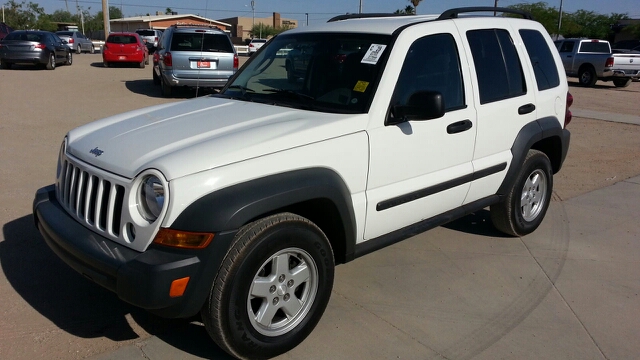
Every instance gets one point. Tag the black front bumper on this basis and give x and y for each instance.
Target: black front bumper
(139, 278)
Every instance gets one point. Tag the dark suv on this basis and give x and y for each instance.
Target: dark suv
(194, 57)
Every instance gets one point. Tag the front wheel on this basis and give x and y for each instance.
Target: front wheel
(69, 59)
(528, 199)
(621, 82)
(272, 287)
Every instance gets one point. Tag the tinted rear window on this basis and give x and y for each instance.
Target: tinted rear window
(544, 66)
(201, 42)
(259, 41)
(66, 33)
(122, 39)
(595, 47)
(146, 32)
(24, 36)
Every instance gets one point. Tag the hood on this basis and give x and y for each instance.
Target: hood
(196, 135)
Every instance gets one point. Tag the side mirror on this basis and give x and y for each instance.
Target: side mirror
(422, 105)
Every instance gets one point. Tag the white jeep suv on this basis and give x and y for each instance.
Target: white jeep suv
(238, 205)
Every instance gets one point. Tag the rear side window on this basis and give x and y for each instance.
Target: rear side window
(544, 67)
(567, 46)
(595, 47)
(201, 42)
(122, 39)
(498, 66)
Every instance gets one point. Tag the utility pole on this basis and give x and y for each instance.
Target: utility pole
(253, 15)
(305, 14)
(105, 18)
(360, 9)
(559, 21)
(495, 5)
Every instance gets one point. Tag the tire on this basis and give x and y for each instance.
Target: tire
(587, 76)
(156, 78)
(78, 49)
(106, 64)
(166, 89)
(272, 288)
(622, 82)
(69, 59)
(92, 50)
(527, 202)
(51, 64)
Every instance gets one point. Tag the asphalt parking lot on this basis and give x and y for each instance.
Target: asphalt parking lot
(461, 291)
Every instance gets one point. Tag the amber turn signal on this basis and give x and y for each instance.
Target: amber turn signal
(183, 239)
(178, 286)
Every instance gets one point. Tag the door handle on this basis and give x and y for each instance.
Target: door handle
(459, 126)
(526, 109)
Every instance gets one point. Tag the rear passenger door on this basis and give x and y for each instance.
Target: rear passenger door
(505, 99)
(420, 169)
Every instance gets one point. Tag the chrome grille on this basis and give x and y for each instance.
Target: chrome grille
(94, 201)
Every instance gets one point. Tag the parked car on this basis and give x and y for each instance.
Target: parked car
(195, 57)
(34, 47)
(256, 44)
(4, 30)
(125, 47)
(77, 41)
(588, 59)
(150, 38)
(238, 206)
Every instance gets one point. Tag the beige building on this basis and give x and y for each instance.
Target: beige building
(162, 22)
(241, 26)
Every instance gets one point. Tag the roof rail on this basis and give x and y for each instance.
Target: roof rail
(194, 25)
(363, 16)
(453, 13)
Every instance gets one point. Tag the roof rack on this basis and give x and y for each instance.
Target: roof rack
(453, 13)
(194, 25)
(364, 16)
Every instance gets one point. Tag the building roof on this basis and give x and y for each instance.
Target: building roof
(151, 18)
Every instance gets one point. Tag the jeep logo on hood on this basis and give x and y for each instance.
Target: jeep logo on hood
(95, 151)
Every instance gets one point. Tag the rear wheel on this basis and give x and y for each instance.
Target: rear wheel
(51, 64)
(78, 49)
(587, 76)
(621, 82)
(272, 288)
(166, 89)
(527, 201)
(156, 78)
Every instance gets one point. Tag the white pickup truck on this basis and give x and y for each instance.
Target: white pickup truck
(591, 60)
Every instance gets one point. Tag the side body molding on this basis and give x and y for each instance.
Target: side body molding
(232, 207)
(535, 132)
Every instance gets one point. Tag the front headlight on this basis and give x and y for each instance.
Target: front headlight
(150, 197)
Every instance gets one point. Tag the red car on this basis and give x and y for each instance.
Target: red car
(125, 47)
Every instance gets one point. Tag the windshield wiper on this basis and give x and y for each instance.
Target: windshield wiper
(243, 88)
(291, 92)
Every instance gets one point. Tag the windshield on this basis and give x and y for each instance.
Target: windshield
(330, 72)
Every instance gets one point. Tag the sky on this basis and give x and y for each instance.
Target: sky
(318, 10)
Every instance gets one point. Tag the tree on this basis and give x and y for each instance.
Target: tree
(261, 30)
(415, 4)
(22, 15)
(409, 10)
(168, 11)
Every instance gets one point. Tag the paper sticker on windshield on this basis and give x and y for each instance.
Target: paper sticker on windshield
(361, 86)
(373, 54)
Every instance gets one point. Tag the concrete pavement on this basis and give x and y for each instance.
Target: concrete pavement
(462, 291)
